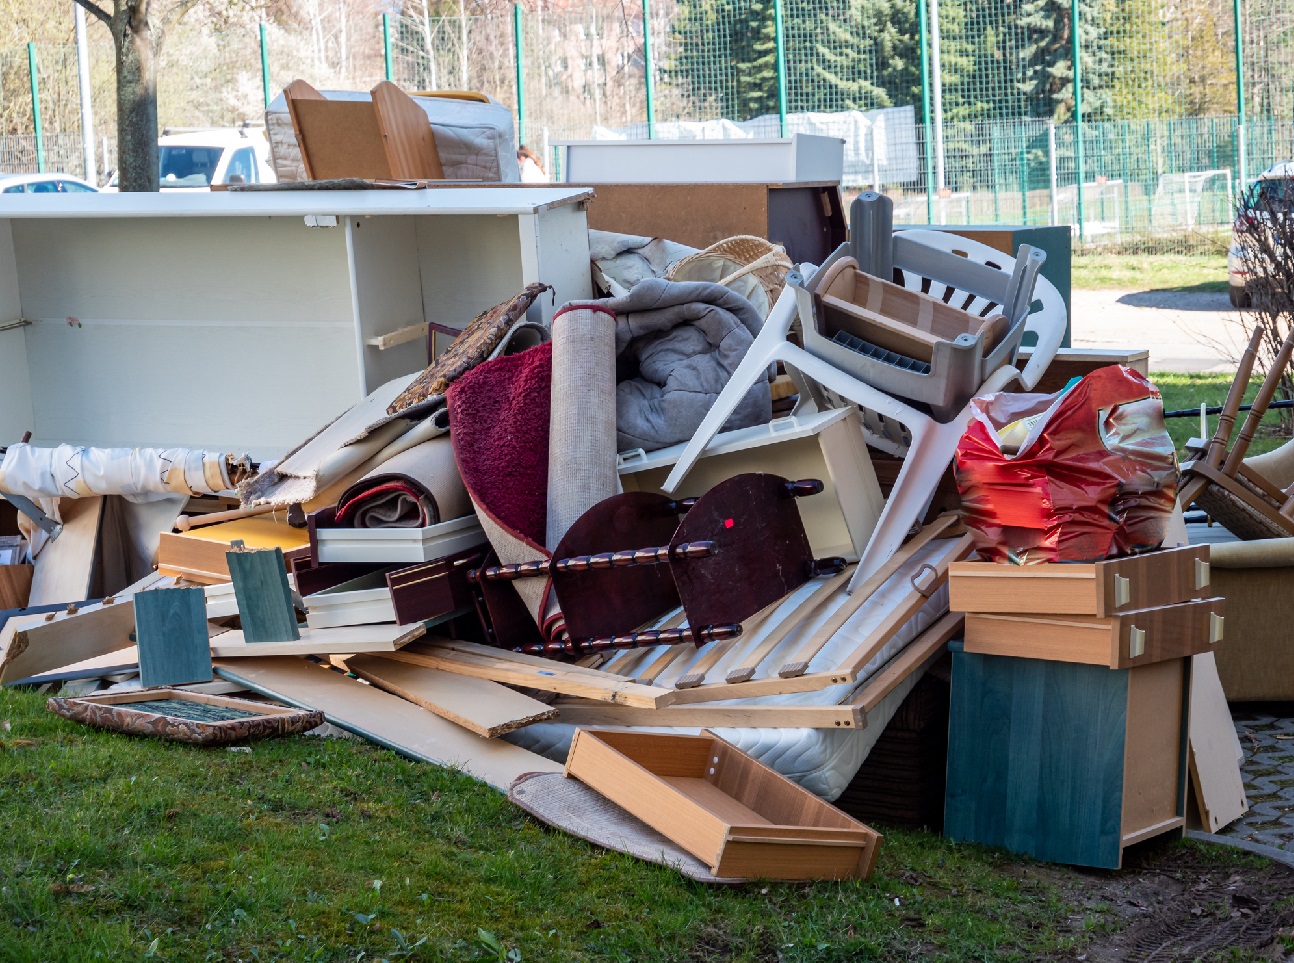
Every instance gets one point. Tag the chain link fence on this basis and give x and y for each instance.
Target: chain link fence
(972, 119)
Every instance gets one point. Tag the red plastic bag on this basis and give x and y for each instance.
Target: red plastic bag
(1095, 476)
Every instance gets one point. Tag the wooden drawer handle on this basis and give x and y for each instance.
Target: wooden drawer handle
(1136, 642)
(1215, 628)
(1201, 573)
(1122, 590)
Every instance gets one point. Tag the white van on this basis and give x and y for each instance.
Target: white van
(195, 160)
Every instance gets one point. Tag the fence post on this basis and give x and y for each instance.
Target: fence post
(521, 84)
(83, 88)
(1051, 173)
(1241, 159)
(923, 33)
(386, 46)
(265, 66)
(35, 108)
(1078, 114)
(649, 71)
(779, 37)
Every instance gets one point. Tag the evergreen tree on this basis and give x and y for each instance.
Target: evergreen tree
(1047, 58)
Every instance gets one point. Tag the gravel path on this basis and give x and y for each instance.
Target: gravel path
(1185, 331)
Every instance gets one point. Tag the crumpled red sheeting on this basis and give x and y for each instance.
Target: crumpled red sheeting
(1100, 481)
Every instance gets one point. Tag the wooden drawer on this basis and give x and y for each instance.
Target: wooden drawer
(1120, 641)
(736, 815)
(1066, 763)
(1100, 588)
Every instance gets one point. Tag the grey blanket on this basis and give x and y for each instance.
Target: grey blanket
(677, 344)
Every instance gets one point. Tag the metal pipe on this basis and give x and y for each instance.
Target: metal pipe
(265, 66)
(83, 88)
(923, 33)
(1078, 112)
(649, 71)
(521, 85)
(1241, 159)
(386, 46)
(779, 38)
(937, 92)
(35, 108)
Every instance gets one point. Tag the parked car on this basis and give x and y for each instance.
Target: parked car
(195, 160)
(44, 184)
(1273, 186)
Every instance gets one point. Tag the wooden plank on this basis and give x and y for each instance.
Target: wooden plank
(385, 719)
(916, 657)
(773, 639)
(35, 644)
(723, 717)
(658, 665)
(265, 609)
(65, 566)
(548, 677)
(199, 554)
(1215, 772)
(484, 707)
(171, 633)
(798, 664)
(343, 640)
(15, 586)
(715, 651)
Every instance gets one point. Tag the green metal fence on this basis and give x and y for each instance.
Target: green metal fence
(964, 111)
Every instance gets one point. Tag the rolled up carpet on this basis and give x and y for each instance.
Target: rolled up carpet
(416, 488)
(582, 435)
(499, 425)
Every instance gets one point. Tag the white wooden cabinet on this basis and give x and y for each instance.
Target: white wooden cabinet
(240, 320)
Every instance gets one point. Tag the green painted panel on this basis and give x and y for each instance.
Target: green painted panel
(264, 597)
(171, 632)
(1035, 757)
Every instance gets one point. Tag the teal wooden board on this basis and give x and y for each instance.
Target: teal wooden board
(264, 597)
(171, 633)
(1035, 758)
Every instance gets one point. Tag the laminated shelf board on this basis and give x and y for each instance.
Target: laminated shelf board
(806, 219)
(1120, 641)
(734, 814)
(1063, 762)
(802, 158)
(360, 601)
(199, 554)
(398, 544)
(1106, 588)
(273, 295)
(828, 446)
(342, 640)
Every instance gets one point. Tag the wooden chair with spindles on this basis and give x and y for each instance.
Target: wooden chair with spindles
(1249, 505)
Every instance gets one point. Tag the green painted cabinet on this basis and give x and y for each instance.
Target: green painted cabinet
(1064, 762)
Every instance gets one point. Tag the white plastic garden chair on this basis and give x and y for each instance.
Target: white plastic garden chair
(932, 443)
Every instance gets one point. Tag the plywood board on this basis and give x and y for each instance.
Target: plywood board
(386, 719)
(1215, 772)
(15, 586)
(65, 566)
(484, 707)
(342, 640)
(265, 608)
(1153, 756)
(33, 644)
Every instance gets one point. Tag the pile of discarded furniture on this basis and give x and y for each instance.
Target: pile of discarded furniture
(665, 567)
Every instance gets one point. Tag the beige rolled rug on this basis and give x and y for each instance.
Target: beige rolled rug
(582, 419)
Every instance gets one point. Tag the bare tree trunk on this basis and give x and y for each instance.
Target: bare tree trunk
(136, 105)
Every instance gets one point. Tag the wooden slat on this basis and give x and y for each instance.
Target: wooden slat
(65, 565)
(916, 657)
(704, 716)
(715, 651)
(342, 640)
(799, 662)
(800, 613)
(484, 707)
(652, 672)
(548, 677)
(385, 719)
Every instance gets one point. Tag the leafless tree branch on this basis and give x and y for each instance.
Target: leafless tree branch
(96, 10)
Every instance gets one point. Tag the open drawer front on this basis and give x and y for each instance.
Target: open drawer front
(739, 817)
(855, 305)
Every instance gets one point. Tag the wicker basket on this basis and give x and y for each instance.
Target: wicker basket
(749, 265)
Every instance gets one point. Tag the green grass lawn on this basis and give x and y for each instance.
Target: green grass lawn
(1149, 272)
(122, 848)
(1191, 390)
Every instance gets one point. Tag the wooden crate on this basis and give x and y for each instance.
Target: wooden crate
(738, 816)
(1063, 762)
(1118, 642)
(1103, 589)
